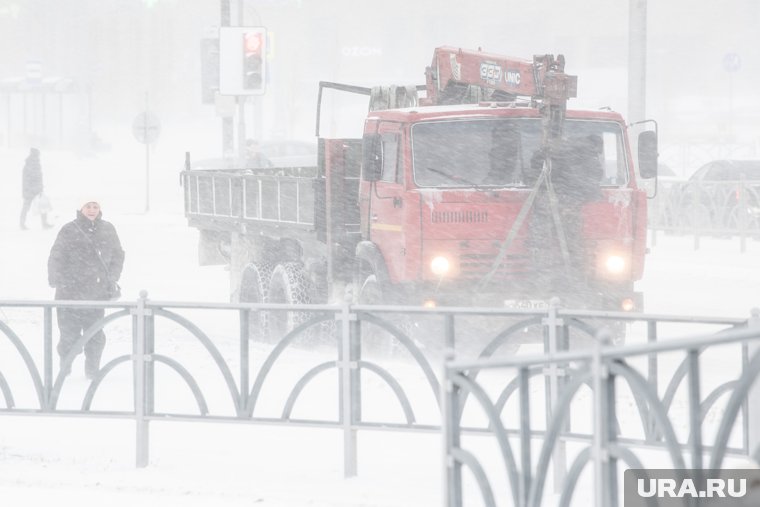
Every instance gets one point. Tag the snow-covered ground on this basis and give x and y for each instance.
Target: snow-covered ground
(86, 462)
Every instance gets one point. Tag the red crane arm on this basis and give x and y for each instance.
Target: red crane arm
(542, 79)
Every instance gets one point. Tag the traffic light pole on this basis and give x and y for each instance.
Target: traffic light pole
(637, 58)
(147, 157)
(227, 130)
(241, 99)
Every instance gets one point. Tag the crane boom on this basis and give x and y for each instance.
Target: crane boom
(542, 79)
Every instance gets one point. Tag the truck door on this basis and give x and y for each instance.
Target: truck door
(336, 215)
(383, 205)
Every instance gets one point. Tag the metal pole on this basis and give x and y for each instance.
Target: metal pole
(695, 419)
(147, 156)
(241, 130)
(245, 333)
(48, 361)
(559, 454)
(599, 375)
(450, 333)
(753, 398)
(138, 362)
(452, 469)
(525, 436)
(637, 50)
(227, 126)
(610, 477)
(346, 394)
(241, 100)
(652, 374)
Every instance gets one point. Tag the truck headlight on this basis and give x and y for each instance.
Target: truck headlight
(440, 266)
(615, 264)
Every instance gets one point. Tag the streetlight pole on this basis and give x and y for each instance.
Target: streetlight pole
(637, 60)
(241, 98)
(227, 131)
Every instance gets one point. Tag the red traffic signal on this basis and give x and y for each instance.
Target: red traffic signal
(252, 43)
(253, 61)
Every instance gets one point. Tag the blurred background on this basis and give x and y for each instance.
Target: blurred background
(75, 74)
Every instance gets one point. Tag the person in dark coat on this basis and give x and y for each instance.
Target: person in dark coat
(85, 263)
(254, 158)
(31, 186)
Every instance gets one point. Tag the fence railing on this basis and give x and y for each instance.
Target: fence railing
(706, 208)
(605, 371)
(219, 366)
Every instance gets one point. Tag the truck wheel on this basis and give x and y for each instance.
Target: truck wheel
(289, 284)
(376, 340)
(370, 292)
(254, 288)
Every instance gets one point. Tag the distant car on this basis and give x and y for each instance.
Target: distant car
(722, 194)
(728, 170)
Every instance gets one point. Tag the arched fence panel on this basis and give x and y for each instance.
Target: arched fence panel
(552, 379)
(604, 366)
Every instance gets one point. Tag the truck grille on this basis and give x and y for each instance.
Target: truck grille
(453, 217)
(477, 265)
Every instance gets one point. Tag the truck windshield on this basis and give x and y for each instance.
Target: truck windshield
(506, 152)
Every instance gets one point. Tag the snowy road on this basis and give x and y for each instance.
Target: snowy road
(86, 463)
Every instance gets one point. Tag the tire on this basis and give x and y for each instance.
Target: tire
(371, 292)
(290, 285)
(376, 341)
(254, 288)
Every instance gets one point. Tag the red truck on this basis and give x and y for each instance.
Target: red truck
(487, 191)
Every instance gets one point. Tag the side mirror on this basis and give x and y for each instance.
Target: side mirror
(372, 157)
(648, 154)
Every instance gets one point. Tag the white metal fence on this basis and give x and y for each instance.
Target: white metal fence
(403, 349)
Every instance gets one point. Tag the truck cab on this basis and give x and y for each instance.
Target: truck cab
(441, 197)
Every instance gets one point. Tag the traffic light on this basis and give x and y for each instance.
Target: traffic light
(254, 60)
(243, 65)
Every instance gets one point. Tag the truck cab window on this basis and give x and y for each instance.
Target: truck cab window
(502, 152)
(390, 159)
(472, 153)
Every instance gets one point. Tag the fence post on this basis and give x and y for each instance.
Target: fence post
(695, 419)
(601, 422)
(753, 399)
(48, 360)
(450, 332)
(652, 378)
(245, 333)
(552, 382)
(138, 362)
(525, 436)
(349, 388)
(450, 397)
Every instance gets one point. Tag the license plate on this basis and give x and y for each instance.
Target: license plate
(526, 304)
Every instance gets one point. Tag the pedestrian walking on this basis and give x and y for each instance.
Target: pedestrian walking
(254, 157)
(31, 187)
(85, 263)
